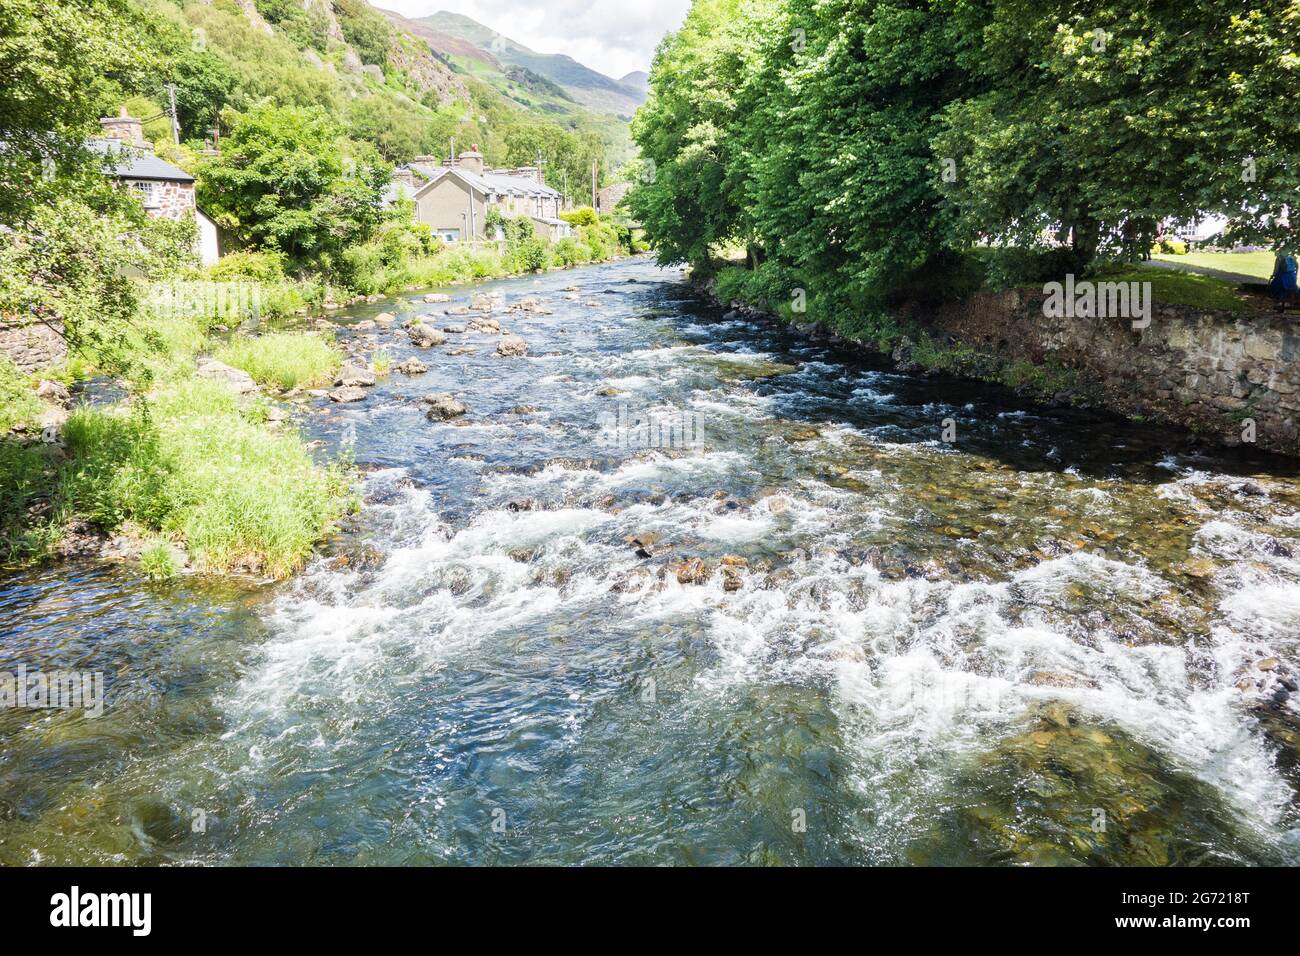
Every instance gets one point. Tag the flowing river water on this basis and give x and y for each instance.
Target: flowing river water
(1058, 638)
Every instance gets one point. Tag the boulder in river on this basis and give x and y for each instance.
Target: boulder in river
(646, 543)
(512, 345)
(437, 297)
(385, 318)
(479, 302)
(692, 571)
(351, 374)
(422, 336)
(348, 393)
(236, 379)
(457, 310)
(731, 579)
(443, 407)
(412, 366)
(454, 328)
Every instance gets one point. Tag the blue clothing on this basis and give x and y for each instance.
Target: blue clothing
(1284, 276)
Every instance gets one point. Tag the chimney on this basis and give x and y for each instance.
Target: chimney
(124, 128)
(472, 161)
(403, 174)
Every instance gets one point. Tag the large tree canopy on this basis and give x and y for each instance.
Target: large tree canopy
(855, 141)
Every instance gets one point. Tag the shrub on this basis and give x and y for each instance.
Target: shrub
(582, 216)
(260, 266)
(1170, 247)
(283, 359)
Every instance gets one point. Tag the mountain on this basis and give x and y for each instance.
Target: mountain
(481, 51)
(637, 80)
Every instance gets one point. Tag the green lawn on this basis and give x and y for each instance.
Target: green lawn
(1258, 264)
(1190, 288)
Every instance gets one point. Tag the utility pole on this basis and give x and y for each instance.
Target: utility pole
(451, 157)
(176, 126)
(593, 184)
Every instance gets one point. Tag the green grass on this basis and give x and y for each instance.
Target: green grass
(1188, 288)
(18, 402)
(158, 562)
(1257, 264)
(192, 464)
(283, 359)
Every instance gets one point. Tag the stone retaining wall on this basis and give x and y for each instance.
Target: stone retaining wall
(32, 345)
(1215, 372)
(1230, 375)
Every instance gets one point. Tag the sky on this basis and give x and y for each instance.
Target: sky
(612, 36)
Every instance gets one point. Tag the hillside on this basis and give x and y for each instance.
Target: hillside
(474, 45)
(398, 84)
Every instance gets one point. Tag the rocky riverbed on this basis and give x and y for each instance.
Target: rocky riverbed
(637, 583)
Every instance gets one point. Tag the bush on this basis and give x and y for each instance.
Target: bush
(259, 266)
(569, 252)
(283, 359)
(582, 216)
(1170, 247)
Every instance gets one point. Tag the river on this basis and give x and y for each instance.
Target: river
(1059, 637)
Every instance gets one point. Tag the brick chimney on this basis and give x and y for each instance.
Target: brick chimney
(125, 128)
(472, 161)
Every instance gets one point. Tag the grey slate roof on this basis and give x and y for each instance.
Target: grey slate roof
(132, 162)
(490, 182)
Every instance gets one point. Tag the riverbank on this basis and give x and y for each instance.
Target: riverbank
(1229, 376)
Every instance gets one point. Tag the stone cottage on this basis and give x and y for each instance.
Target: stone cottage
(167, 191)
(454, 198)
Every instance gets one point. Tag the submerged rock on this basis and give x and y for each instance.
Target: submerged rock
(348, 393)
(692, 571)
(512, 345)
(422, 336)
(646, 543)
(351, 374)
(443, 407)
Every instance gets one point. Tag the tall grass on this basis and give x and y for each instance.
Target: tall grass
(283, 359)
(18, 402)
(193, 463)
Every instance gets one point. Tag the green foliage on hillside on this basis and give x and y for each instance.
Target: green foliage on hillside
(864, 148)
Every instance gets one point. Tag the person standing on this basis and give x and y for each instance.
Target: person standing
(1283, 284)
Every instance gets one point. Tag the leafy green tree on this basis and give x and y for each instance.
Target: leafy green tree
(287, 179)
(689, 129)
(1102, 118)
(61, 65)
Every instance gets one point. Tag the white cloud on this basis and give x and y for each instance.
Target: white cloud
(612, 36)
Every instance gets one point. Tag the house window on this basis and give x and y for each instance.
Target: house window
(449, 235)
(148, 191)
